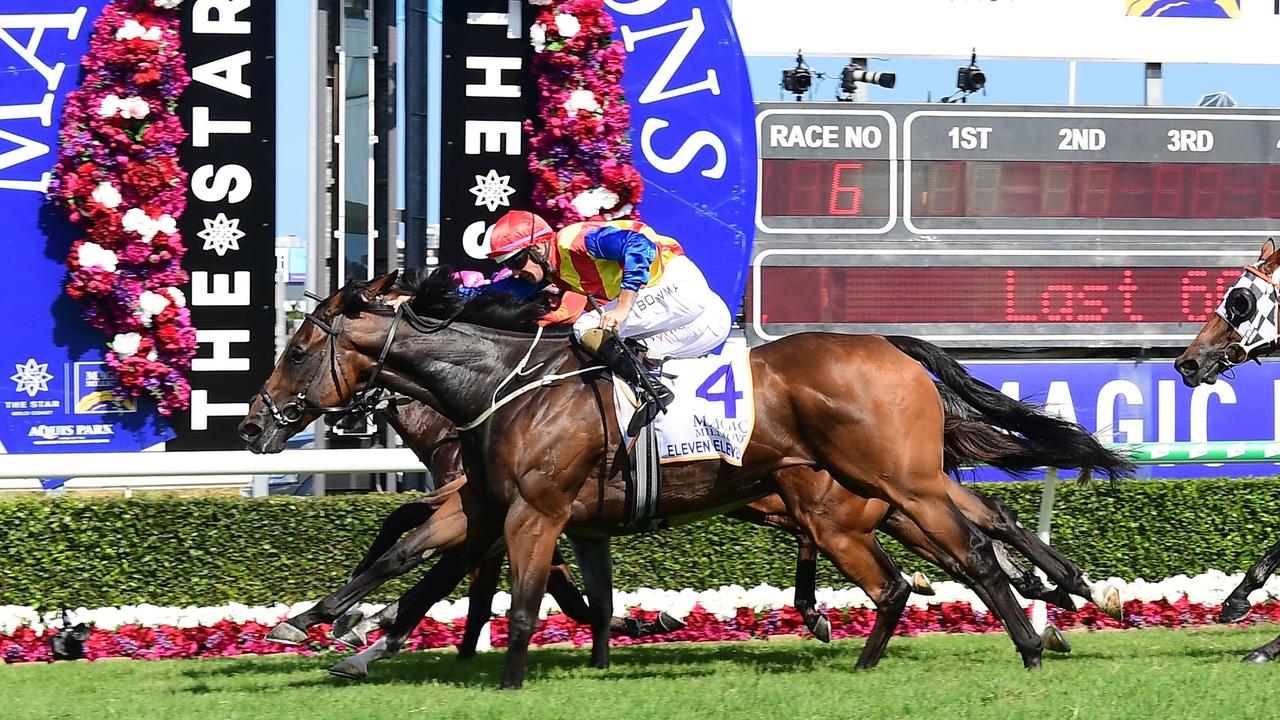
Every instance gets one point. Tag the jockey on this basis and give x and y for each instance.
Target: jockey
(649, 289)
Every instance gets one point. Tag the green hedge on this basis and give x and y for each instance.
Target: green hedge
(73, 552)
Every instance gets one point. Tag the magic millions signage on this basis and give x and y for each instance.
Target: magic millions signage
(692, 127)
(55, 391)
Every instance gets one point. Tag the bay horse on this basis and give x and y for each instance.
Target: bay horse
(968, 441)
(1242, 329)
(857, 407)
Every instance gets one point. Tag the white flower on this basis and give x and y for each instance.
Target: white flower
(106, 195)
(134, 108)
(110, 105)
(129, 108)
(133, 29)
(176, 296)
(594, 201)
(137, 221)
(567, 25)
(94, 255)
(621, 212)
(149, 305)
(581, 100)
(539, 2)
(168, 4)
(538, 37)
(126, 344)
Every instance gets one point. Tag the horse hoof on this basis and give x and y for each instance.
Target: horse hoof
(920, 584)
(822, 629)
(353, 638)
(1257, 658)
(286, 634)
(345, 624)
(1234, 611)
(669, 623)
(1054, 640)
(348, 670)
(1108, 600)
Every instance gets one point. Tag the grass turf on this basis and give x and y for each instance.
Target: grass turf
(1114, 675)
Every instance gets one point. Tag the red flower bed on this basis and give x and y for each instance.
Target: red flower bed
(226, 638)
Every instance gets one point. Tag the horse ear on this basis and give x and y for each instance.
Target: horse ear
(1268, 249)
(378, 287)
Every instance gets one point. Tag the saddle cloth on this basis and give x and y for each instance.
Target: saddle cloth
(713, 413)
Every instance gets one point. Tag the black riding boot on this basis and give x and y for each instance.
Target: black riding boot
(654, 396)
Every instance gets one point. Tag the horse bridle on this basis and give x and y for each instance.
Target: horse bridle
(1253, 341)
(362, 401)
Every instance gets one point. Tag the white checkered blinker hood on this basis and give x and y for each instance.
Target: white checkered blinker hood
(1250, 308)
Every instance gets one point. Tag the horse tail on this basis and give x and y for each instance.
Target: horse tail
(1045, 439)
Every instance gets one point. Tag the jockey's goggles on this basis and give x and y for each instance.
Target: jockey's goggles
(516, 262)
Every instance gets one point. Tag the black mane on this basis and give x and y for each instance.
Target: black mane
(435, 295)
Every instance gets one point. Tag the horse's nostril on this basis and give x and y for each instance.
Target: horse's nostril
(249, 431)
(1188, 367)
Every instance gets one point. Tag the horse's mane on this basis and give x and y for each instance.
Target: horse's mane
(435, 295)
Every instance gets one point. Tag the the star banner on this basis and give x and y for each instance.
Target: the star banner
(487, 92)
(228, 228)
(56, 394)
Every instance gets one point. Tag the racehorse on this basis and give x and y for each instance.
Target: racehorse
(843, 515)
(967, 442)
(1242, 329)
(857, 407)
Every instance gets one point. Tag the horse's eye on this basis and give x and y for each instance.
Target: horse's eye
(297, 354)
(1240, 305)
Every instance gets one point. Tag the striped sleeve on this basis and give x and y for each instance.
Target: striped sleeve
(632, 250)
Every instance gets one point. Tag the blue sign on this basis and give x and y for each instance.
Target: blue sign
(693, 121)
(55, 392)
(1129, 401)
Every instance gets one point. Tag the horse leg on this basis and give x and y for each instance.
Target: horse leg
(1236, 606)
(438, 582)
(531, 538)
(1264, 654)
(484, 584)
(596, 564)
(405, 555)
(999, 521)
(806, 600)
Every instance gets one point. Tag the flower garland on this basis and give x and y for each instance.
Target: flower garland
(729, 613)
(119, 180)
(580, 145)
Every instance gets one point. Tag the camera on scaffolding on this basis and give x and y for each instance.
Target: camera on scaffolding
(969, 80)
(855, 72)
(799, 79)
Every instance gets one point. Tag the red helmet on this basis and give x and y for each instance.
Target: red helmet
(514, 232)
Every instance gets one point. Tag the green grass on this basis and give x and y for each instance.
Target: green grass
(1146, 675)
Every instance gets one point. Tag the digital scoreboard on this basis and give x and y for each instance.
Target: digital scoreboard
(1007, 226)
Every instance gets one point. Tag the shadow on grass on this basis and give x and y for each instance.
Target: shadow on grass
(681, 660)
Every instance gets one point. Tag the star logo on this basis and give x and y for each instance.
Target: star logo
(492, 190)
(32, 377)
(221, 234)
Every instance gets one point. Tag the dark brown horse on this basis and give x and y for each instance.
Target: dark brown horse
(857, 407)
(1242, 329)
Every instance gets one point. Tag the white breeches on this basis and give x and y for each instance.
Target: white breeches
(679, 318)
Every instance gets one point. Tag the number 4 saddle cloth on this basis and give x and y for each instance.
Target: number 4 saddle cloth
(714, 409)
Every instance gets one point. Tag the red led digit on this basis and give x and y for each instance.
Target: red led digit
(1096, 194)
(1198, 301)
(846, 189)
(1127, 290)
(1206, 191)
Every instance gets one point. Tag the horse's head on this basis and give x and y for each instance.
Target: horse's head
(320, 370)
(1243, 327)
